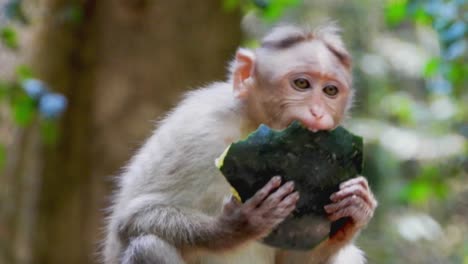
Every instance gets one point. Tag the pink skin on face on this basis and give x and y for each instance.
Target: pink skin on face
(318, 121)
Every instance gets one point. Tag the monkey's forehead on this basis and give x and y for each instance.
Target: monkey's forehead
(309, 56)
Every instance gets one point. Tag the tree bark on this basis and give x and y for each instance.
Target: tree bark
(121, 66)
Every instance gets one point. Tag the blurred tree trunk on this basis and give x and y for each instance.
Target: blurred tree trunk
(121, 63)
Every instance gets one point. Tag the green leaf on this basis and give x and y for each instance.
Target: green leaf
(9, 37)
(275, 9)
(431, 68)
(455, 72)
(422, 17)
(395, 11)
(229, 5)
(430, 172)
(49, 131)
(24, 72)
(23, 110)
(4, 88)
(441, 190)
(419, 192)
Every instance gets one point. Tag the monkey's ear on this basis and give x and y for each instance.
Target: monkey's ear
(242, 70)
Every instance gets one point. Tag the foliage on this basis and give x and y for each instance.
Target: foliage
(446, 74)
(427, 107)
(9, 37)
(270, 10)
(28, 98)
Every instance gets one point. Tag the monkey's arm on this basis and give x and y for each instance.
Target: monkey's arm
(187, 228)
(355, 201)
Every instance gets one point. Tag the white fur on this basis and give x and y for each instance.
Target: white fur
(175, 168)
(350, 255)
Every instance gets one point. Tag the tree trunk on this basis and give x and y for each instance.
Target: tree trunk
(121, 66)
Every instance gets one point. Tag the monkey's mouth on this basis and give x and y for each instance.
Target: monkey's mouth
(314, 124)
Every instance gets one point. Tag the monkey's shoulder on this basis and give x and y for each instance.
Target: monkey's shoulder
(207, 114)
(195, 132)
(184, 146)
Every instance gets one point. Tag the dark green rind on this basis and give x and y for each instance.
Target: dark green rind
(316, 162)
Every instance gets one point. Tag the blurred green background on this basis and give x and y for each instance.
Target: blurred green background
(82, 81)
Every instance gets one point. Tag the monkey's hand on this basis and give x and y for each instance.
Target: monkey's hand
(256, 217)
(354, 201)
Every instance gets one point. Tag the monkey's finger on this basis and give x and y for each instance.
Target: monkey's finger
(282, 213)
(275, 198)
(261, 194)
(356, 190)
(350, 200)
(285, 207)
(358, 180)
(350, 211)
(290, 201)
(360, 215)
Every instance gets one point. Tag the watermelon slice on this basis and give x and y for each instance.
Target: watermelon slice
(316, 162)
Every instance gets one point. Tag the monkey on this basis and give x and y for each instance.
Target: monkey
(172, 205)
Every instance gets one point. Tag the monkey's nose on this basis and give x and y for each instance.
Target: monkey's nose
(316, 113)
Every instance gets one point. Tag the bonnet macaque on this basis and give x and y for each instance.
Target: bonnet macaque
(173, 205)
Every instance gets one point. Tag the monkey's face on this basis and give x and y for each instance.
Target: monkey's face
(306, 83)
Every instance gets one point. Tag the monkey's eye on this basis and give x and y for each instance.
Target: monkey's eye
(301, 83)
(330, 90)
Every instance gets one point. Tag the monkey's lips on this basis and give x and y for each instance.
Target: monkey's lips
(314, 124)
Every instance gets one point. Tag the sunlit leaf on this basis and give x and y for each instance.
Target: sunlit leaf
(395, 11)
(422, 17)
(9, 37)
(276, 8)
(419, 192)
(431, 68)
(272, 13)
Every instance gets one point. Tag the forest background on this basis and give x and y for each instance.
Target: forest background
(82, 83)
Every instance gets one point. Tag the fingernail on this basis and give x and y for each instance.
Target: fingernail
(276, 178)
(297, 195)
(290, 184)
